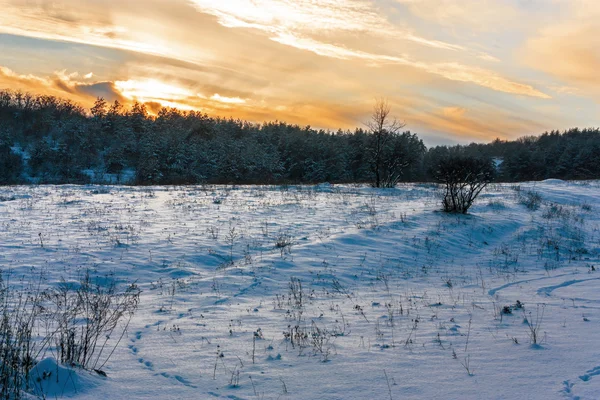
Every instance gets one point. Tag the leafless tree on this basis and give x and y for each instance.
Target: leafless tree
(386, 167)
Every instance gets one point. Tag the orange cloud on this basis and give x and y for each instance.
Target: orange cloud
(60, 84)
(303, 24)
(309, 18)
(340, 29)
(570, 52)
(482, 77)
(478, 15)
(479, 126)
(159, 94)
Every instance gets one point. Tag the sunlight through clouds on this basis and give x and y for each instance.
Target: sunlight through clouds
(223, 99)
(151, 89)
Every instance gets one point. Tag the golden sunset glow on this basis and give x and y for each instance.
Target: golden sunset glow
(150, 90)
(454, 71)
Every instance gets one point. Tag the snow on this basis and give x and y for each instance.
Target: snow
(394, 291)
(50, 379)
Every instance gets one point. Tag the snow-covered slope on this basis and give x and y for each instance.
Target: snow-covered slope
(329, 292)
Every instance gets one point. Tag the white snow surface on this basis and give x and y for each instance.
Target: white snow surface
(50, 379)
(399, 300)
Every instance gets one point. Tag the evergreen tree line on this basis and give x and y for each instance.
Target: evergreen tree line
(46, 139)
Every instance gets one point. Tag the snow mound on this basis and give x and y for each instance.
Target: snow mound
(49, 379)
(553, 181)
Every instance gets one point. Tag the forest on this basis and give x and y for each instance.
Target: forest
(45, 139)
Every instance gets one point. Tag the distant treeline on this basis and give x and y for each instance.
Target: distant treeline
(51, 140)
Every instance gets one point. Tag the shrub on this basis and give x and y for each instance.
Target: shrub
(556, 211)
(89, 315)
(18, 313)
(463, 177)
(531, 199)
(74, 320)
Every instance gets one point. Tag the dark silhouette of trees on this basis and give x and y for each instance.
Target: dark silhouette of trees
(50, 140)
(11, 164)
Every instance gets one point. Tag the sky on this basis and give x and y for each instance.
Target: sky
(452, 71)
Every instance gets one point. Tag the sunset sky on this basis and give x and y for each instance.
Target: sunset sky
(453, 71)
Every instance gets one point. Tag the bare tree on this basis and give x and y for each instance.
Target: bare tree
(463, 177)
(385, 165)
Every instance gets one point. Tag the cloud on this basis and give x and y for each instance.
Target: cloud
(283, 19)
(111, 24)
(305, 24)
(151, 90)
(450, 70)
(9, 76)
(106, 90)
(60, 84)
(339, 29)
(568, 50)
(482, 77)
(487, 57)
(483, 125)
(476, 15)
(229, 100)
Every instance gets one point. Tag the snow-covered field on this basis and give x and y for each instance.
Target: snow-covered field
(327, 292)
